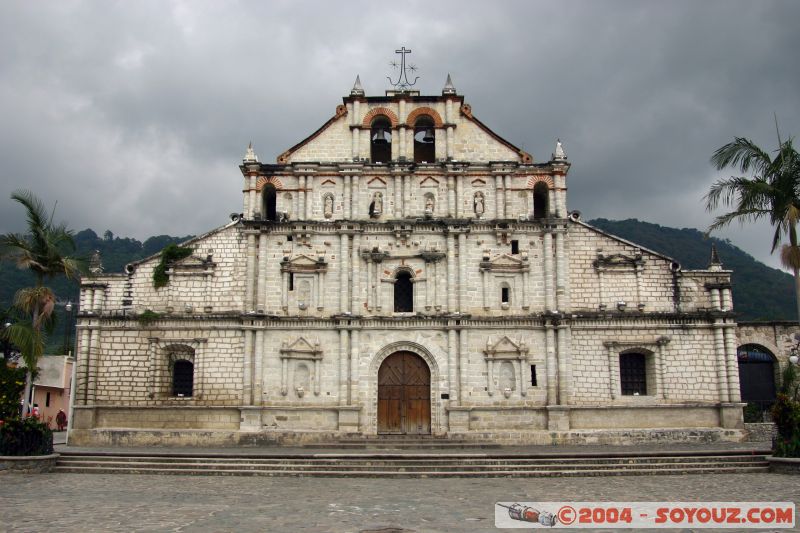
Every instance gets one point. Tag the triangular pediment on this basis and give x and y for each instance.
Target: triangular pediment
(506, 347)
(429, 182)
(301, 348)
(376, 183)
(302, 259)
(505, 260)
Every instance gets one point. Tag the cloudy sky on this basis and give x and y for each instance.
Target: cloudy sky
(134, 116)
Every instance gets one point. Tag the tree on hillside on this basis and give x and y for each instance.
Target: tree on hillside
(45, 251)
(772, 193)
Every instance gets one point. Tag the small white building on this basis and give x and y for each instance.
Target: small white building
(404, 269)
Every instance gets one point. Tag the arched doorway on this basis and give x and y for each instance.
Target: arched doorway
(756, 375)
(404, 395)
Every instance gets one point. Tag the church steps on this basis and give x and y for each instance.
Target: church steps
(403, 466)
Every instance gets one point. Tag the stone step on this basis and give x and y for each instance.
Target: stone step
(404, 460)
(404, 474)
(402, 468)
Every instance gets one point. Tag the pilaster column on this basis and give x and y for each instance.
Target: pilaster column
(370, 285)
(450, 143)
(727, 301)
(452, 365)
(253, 194)
(613, 370)
(560, 271)
(355, 198)
(451, 287)
(347, 198)
(451, 196)
(258, 362)
(462, 272)
(406, 196)
(547, 251)
(463, 363)
(301, 195)
(562, 333)
(344, 353)
(499, 201)
(398, 196)
(356, 281)
(352, 383)
(344, 273)
(82, 375)
(403, 149)
(247, 368)
(94, 356)
(460, 197)
(485, 288)
(251, 267)
(246, 196)
(355, 132)
(309, 198)
(285, 290)
(715, 299)
(364, 144)
(262, 272)
(732, 363)
(722, 367)
(507, 198)
(660, 356)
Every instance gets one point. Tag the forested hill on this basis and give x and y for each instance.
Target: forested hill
(759, 292)
(115, 253)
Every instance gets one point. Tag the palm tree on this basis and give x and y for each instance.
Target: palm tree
(772, 193)
(44, 250)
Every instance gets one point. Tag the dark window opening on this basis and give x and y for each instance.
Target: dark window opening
(182, 378)
(47, 400)
(270, 203)
(505, 295)
(533, 376)
(291, 281)
(381, 141)
(514, 247)
(540, 201)
(633, 374)
(289, 238)
(403, 293)
(424, 141)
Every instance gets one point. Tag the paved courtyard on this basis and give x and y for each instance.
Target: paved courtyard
(85, 502)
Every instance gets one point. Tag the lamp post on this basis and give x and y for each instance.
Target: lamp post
(6, 342)
(794, 351)
(68, 328)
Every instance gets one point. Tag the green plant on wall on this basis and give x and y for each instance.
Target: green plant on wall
(147, 318)
(12, 385)
(169, 255)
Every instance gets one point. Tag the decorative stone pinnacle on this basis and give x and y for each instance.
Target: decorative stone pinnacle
(357, 89)
(715, 263)
(448, 86)
(250, 156)
(96, 264)
(559, 154)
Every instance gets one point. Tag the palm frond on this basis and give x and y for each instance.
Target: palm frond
(743, 154)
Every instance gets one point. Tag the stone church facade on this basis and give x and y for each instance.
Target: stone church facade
(406, 270)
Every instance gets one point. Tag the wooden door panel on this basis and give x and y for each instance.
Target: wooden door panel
(404, 390)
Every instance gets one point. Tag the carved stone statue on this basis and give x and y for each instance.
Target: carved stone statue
(429, 205)
(376, 206)
(328, 206)
(478, 204)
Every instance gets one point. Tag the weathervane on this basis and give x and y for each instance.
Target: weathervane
(402, 83)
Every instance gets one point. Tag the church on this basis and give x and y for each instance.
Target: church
(405, 270)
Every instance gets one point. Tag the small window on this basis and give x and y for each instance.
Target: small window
(291, 281)
(514, 247)
(633, 374)
(182, 378)
(47, 400)
(403, 293)
(505, 295)
(533, 376)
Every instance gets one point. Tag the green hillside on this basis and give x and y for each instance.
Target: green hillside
(759, 292)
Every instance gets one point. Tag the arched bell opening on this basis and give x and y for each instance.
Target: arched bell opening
(403, 293)
(541, 200)
(381, 140)
(424, 140)
(269, 197)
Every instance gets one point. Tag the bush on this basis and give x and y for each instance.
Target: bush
(786, 415)
(170, 254)
(753, 413)
(25, 437)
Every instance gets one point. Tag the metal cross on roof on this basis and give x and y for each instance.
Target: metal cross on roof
(402, 83)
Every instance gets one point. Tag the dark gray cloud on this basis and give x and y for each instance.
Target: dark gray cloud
(134, 116)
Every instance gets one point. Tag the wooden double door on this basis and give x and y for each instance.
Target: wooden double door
(404, 395)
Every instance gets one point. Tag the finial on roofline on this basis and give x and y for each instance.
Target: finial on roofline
(357, 89)
(250, 156)
(715, 263)
(448, 86)
(559, 154)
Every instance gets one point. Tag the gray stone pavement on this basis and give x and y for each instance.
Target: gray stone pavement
(93, 502)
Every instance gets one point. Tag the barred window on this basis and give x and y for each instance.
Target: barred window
(182, 378)
(633, 374)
